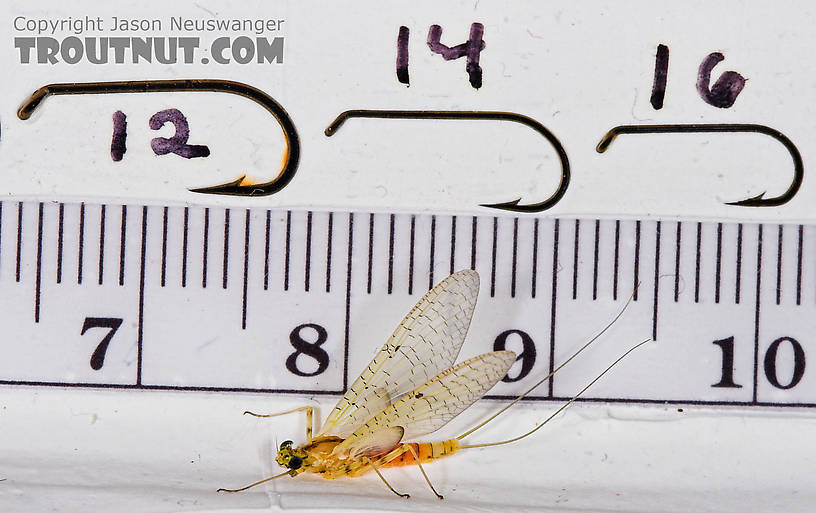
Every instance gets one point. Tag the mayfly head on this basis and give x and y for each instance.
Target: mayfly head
(291, 457)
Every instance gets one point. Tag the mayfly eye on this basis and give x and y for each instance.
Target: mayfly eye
(295, 463)
(286, 443)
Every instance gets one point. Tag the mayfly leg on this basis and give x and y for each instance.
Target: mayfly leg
(369, 461)
(410, 448)
(309, 417)
(396, 454)
(256, 483)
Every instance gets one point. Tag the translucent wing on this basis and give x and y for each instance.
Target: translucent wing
(376, 443)
(430, 406)
(425, 342)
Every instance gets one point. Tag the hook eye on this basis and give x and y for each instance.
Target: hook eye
(755, 201)
(291, 154)
(513, 205)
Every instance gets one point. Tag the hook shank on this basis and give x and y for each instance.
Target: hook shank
(291, 155)
(756, 201)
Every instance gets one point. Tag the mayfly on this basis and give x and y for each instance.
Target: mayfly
(411, 388)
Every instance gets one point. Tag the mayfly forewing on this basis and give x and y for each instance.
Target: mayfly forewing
(433, 404)
(427, 341)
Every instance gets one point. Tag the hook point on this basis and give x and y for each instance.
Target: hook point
(506, 205)
(754, 201)
(224, 188)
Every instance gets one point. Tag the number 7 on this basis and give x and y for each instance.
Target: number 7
(112, 323)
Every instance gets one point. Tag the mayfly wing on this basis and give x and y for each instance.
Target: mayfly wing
(427, 341)
(433, 404)
(376, 443)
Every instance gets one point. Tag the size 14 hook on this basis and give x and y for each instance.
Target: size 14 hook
(291, 154)
(513, 205)
(755, 201)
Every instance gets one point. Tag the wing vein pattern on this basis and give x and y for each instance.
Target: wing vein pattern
(427, 341)
(433, 404)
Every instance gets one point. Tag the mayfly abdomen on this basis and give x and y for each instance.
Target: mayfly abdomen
(426, 451)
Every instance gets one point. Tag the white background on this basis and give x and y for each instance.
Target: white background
(579, 70)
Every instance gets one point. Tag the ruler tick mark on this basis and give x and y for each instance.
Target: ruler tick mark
(535, 259)
(348, 298)
(266, 249)
(473, 244)
(307, 272)
(38, 277)
(140, 326)
(595, 260)
(60, 236)
(101, 271)
(411, 257)
(718, 264)
(431, 255)
(757, 309)
(739, 265)
(799, 267)
(697, 264)
(779, 266)
(575, 259)
(636, 273)
(493, 257)
(81, 243)
(286, 250)
(391, 255)
(246, 272)
(617, 261)
(329, 251)
(453, 245)
(515, 257)
(206, 248)
(677, 244)
(656, 281)
(164, 248)
(552, 305)
(225, 269)
(122, 245)
(184, 238)
(370, 250)
(19, 237)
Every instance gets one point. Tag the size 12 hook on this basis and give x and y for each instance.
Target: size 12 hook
(291, 154)
(756, 201)
(513, 205)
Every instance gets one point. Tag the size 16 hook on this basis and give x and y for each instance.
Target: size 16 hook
(756, 201)
(291, 154)
(513, 205)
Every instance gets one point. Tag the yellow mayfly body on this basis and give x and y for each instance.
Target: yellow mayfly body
(411, 388)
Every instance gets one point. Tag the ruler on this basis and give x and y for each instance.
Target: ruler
(293, 301)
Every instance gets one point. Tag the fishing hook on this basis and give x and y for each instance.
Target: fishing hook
(755, 201)
(291, 154)
(513, 205)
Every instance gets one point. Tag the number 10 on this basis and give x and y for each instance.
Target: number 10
(727, 375)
